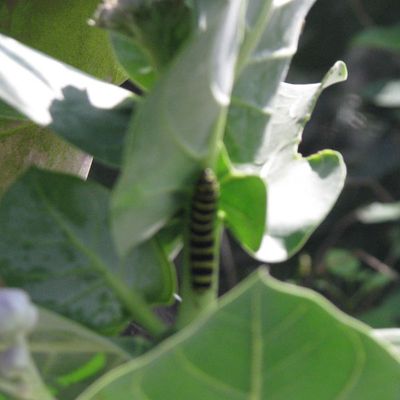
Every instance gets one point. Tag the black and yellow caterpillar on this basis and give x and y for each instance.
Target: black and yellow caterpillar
(202, 230)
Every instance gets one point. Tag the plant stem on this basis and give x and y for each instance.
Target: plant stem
(138, 308)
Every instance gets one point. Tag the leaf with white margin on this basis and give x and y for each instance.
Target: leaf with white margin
(391, 335)
(87, 112)
(266, 340)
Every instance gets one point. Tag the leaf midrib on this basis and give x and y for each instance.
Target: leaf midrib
(95, 261)
(256, 366)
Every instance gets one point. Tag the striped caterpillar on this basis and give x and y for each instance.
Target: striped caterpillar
(201, 230)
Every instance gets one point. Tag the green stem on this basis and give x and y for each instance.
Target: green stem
(217, 139)
(138, 308)
(195, 302)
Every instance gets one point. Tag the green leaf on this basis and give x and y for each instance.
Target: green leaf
(55, 244)
(70, 357)
(265, 121)
(386, 314)
(27, 144)
(243, 201)
(271, 36)
(157, 30)
(374, 282)
(386, 38)
(279, 341)
(90, 114)
(301, 191)
(134, 61)
(8, 112)
(60, 29)
(379, 212)
(299, 198)
(389, 335)
(177, 127)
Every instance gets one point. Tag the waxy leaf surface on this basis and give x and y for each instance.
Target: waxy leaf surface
(175, 130)
(55, 244)
(266, 340)
(88, 113)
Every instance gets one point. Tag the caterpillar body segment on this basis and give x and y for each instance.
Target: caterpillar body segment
(202, 230)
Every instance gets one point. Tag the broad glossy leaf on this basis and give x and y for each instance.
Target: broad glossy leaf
(243, 201)
(264, 126)
(301, 191)
(70, 357)
(55, 243)
(267, 340)
(238, 191)
(299, 198)
(90, 114)
(387, 38)
(175, 130)
(270, 42)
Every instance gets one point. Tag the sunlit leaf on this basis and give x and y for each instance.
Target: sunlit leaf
(272, 32)
(264, 127)
(60, 30)
(267, 333)
(301, 191)
(175, 129)
(90, 114)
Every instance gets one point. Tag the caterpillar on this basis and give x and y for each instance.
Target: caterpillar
(201, 230)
